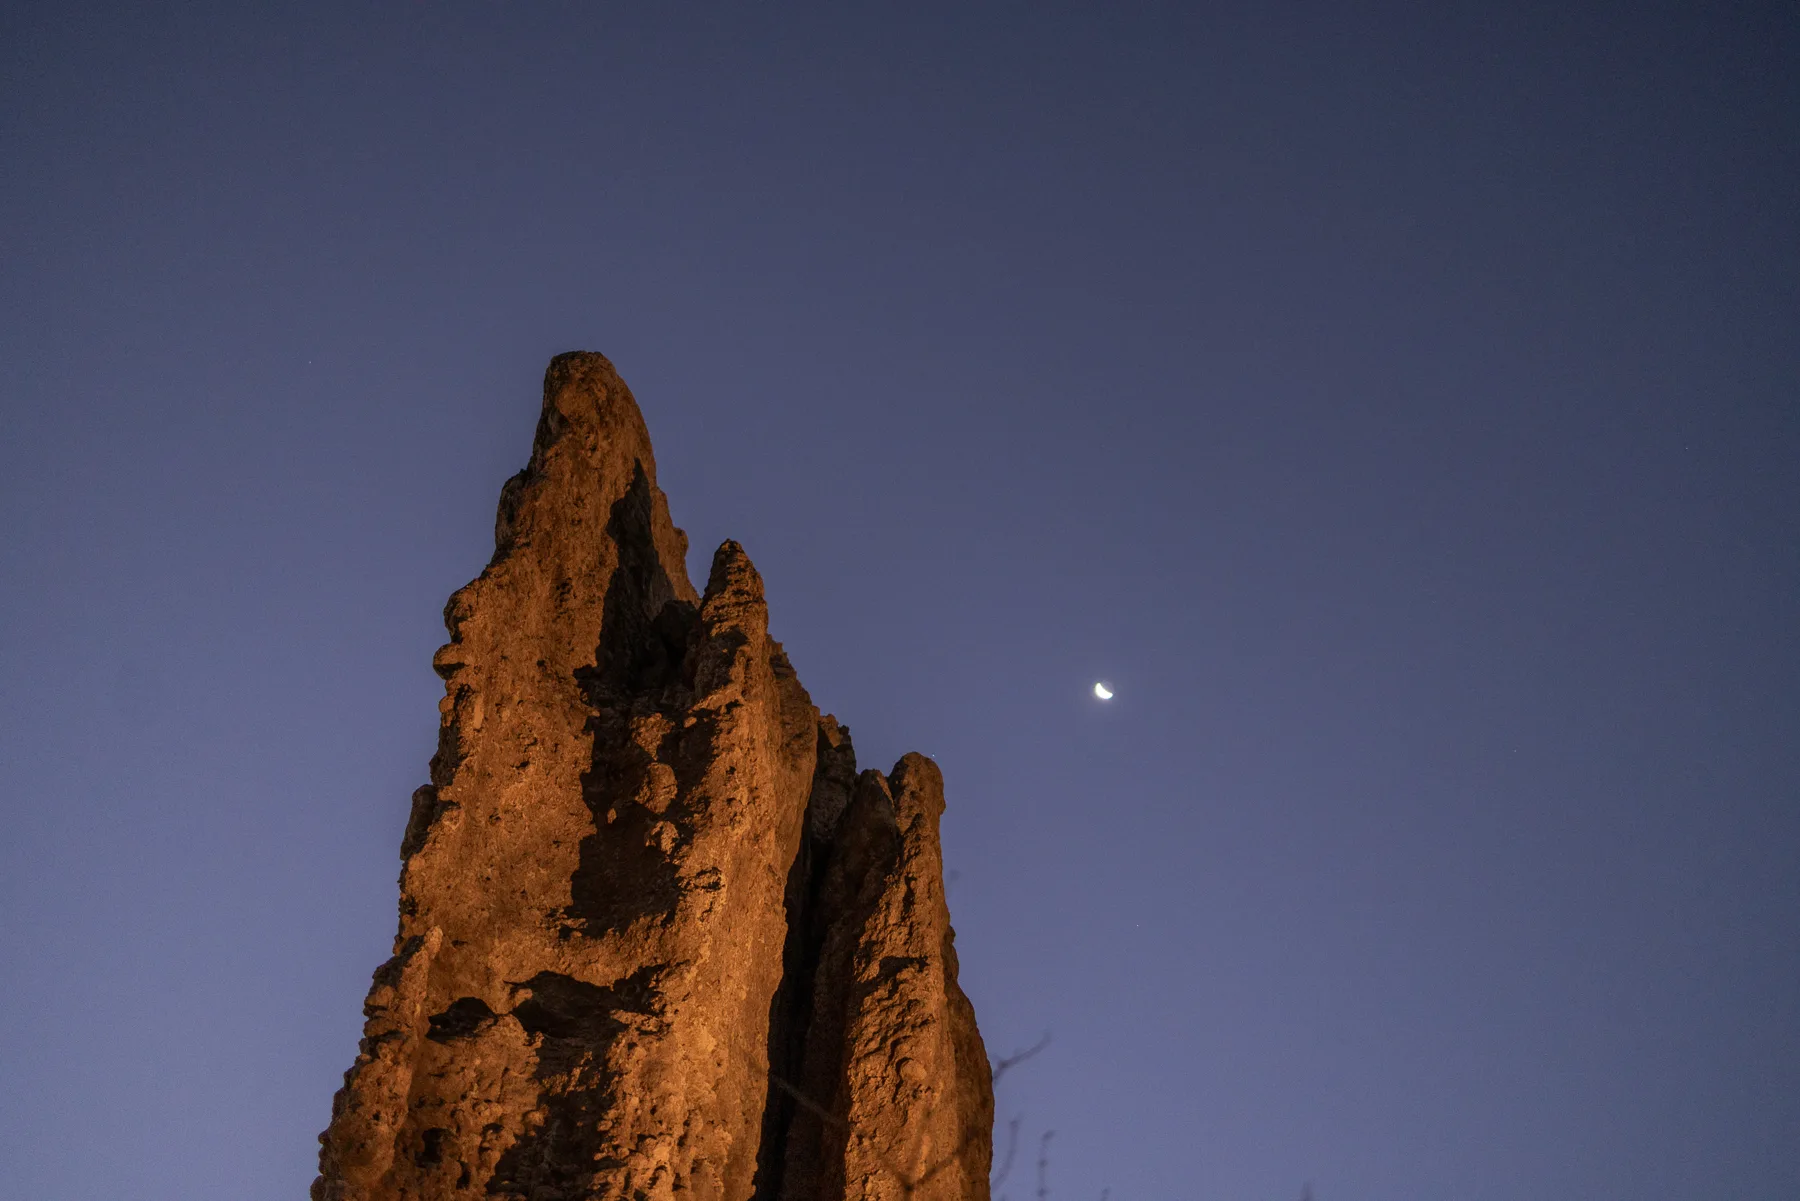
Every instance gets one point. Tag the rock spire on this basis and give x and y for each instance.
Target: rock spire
(658, 938)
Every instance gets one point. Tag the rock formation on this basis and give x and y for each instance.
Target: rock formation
(657, 937)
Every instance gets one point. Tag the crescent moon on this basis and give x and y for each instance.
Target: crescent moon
(1103, 692)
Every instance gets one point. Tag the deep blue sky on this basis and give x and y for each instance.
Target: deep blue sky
(1397, 404)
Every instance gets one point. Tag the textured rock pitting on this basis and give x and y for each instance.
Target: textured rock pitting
(657, 937)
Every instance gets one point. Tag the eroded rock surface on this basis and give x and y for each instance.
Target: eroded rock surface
(657, 937)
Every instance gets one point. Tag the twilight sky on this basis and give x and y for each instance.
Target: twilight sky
(1398, 405)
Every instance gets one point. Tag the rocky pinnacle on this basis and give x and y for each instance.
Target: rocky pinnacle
(658, 938)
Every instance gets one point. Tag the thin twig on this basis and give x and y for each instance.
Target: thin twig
(1012, 1149)
(1012, 1061)
(808, 1104)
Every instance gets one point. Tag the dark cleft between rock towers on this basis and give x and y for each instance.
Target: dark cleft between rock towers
(658, 937)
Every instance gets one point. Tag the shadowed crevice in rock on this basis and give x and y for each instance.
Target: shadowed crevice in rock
(627, 870)
(559, 1006)
(465, 1018)
(573, 1026)
(862, 851)
(790, 1012)
(644, 628)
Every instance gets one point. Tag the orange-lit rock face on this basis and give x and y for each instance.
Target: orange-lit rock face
(647, 902)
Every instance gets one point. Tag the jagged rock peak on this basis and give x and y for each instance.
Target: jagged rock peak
(657, 936)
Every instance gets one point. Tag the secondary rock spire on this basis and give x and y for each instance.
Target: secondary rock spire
(657, 937)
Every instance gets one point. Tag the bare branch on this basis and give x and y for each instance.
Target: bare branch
(1012, 1061)
(807, 1103)
(1012, 1149)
